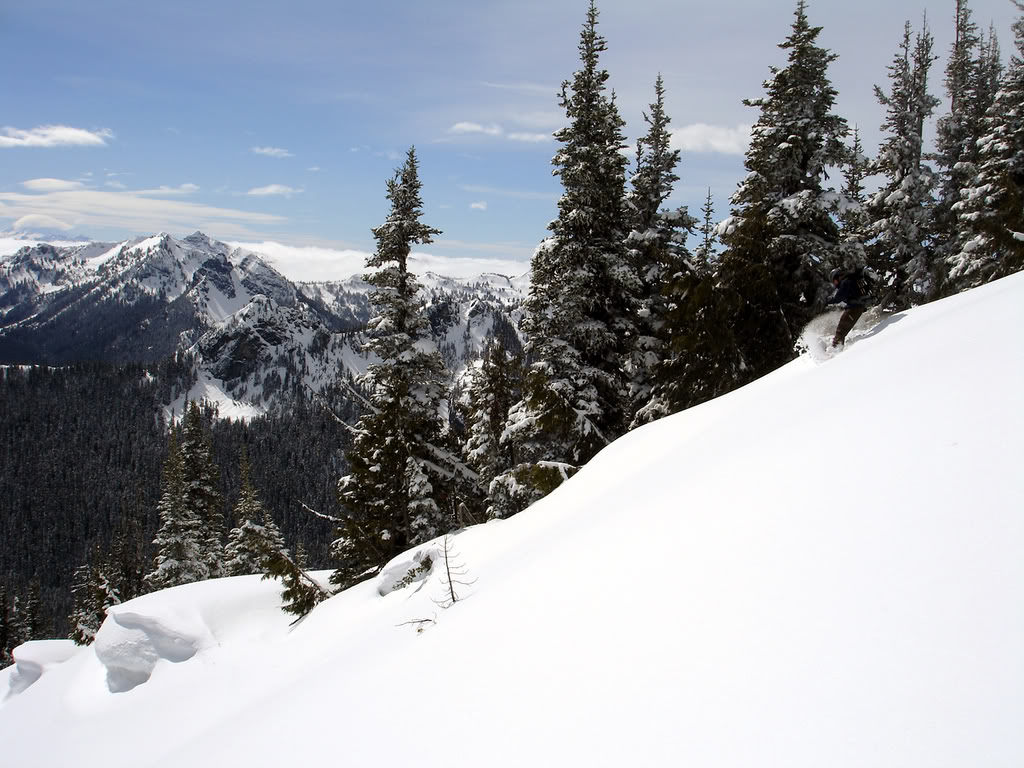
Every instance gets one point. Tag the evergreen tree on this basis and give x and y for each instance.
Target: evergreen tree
(854, 220)
(705, 252)
(495, 386)
(178, 544)
(782, 236)
(202, 497)
(656, 246)
(94, 592)
(301, 593)
(902, 245)
(7, 628)
(35, 620)
(583, 297)
(126, 559)
(955, 138)
(394, 494)
(255, 535)
(18, 630)
(991, 207)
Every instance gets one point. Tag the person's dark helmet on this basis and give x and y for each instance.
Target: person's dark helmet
(834, 275)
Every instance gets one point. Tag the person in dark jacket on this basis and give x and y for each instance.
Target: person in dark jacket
(847, 292)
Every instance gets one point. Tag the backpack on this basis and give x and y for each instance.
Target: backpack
(866, 281)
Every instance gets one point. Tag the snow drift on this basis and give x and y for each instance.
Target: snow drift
(820, 569)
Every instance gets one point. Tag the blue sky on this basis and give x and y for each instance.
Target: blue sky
(269, 121)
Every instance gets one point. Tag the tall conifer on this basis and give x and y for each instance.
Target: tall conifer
(395, 493)
(583, 295)
(991, 207)
(903, 248)
(782, 235)
(656, 246)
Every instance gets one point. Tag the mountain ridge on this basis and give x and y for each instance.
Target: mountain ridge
(149, 298)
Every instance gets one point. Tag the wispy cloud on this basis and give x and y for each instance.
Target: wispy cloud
(531, 138)
(272, 152)
(54, 136)
(281, 190)
(51, 185)
(182, 189)
(314, 169)
(479, 206)
(39, 221)
(467, 127)
(75, 206)
(701, 137)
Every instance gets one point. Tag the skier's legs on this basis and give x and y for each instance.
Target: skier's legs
(848, 319)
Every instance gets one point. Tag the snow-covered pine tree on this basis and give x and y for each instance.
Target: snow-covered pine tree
(854, 220)
(94, 592)
(955, 136)
(178, 544)
(902, 248)
(583, 296)
(35, 621)
(782, 236)
(255, 535)
(202, 496)
(705, 252)
(991, 207)
(656, 246)
(495, 386)
(300, 593)
(8, 631)
(127, 559)
(395, 494)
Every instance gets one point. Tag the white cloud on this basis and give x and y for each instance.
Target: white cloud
(479, 206)
(533, 138)
(183, 189)
(274, 189)
(313, 168)
(51, 185)
(312, 263)
(466, 127)
(272, 151)
(39, 221)
(116, 185)
(54, 136)
(85, 209)
(701, 137)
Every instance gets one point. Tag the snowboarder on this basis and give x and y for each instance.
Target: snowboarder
(849, 292)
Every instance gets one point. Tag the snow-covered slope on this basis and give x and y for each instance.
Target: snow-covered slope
(820, 569)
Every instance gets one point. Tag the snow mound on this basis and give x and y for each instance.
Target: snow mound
(173, 625)
(409, 568)
(33, 659)
(130, 645)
